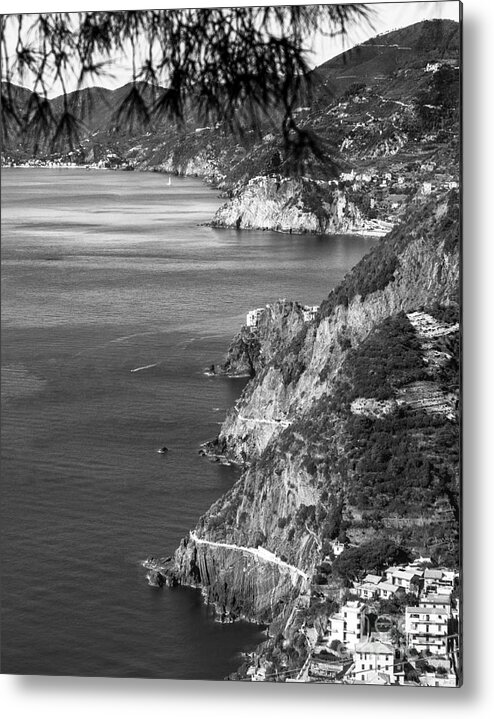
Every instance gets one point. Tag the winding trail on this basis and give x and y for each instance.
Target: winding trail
(260, 553)
(282, 422)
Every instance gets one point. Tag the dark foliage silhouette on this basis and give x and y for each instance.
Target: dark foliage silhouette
(240, 66)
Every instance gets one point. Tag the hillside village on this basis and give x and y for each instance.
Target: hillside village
(400, 626)
(397, 625)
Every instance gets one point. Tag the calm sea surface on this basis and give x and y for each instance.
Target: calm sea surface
(103, 273)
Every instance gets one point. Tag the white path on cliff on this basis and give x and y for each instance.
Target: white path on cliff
(259, 420)
(260, 553)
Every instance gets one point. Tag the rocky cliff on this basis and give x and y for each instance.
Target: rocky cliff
(252, 347)
(297, 205)
(333, 435)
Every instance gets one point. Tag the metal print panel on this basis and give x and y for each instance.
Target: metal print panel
(231, 344)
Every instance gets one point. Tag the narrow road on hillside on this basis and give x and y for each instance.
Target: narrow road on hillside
(261, 553)
(282, 422)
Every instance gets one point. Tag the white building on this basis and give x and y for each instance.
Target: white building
(309, 312)
(365, 590)
(408, 579)
(427, 629)
(348, 626)
(432, 66)
(373, 656)
(386, 590)
(253, 317)
(439, 581)
(437, 601)
(337, 547)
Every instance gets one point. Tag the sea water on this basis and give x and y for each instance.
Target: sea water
(115, 297)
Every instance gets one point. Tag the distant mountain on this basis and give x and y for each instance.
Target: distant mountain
(101, 109)
(412, 47)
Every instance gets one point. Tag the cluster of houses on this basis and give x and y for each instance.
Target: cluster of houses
(109, 162)
(254, 316)
(416, 647)
(37, 162)
(392, 190)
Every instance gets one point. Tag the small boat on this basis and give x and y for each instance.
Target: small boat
(163, 450)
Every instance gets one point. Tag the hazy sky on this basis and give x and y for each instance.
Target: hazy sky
(386, 16)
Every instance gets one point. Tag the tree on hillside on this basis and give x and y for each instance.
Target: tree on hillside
(239, 66)
(369, 557)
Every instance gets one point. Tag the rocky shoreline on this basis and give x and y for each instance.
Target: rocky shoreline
(255, 553)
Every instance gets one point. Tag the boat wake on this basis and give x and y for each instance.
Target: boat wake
(146, 366)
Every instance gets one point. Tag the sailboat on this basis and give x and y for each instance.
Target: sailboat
(169, 180)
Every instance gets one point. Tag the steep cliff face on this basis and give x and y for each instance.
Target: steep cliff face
(252, 347)
(171, 157)
(294, 205)
(416, 271)
(237, 582)
(347, 426)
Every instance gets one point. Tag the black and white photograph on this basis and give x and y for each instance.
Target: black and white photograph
(231, 344)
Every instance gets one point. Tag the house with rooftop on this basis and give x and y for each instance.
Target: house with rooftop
(431, 579)
(437, 601)
(440, 581)
(373, 656)
(386, 590)
(406, 578)
(365, 590)
(427, 629)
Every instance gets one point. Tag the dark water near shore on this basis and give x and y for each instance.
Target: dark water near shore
(103, 273)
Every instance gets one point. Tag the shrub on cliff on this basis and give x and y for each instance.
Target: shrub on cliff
(370, 557)
(375, 374)
(305, 514)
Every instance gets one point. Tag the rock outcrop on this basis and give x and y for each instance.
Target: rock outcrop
(277, 325)
(295, 205)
